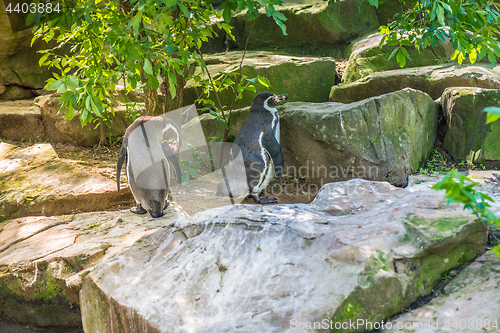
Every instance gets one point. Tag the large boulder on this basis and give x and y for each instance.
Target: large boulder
(381, 138)
(308, 24)
(366, 57)
(87, 135)
(467, 136)
(43, 261)
(432, 80)
(34, 181)
(306, 79)
(277, 268)
(20, 74)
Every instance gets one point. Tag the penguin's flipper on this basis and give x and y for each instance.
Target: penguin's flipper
(172, 158)
(273, 148)
(121, 159)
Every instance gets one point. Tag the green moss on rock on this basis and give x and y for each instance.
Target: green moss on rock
(468, 138)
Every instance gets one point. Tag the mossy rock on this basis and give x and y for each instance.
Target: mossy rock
(300, 78)
(308, 24)
(366, 57)
(432, 80)
(468, 138)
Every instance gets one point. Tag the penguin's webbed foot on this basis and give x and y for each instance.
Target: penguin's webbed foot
(138, 209)
(258, 199)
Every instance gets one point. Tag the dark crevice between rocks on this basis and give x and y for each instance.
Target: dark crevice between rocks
(12, 326)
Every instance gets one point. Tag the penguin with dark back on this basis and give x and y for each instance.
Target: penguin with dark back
(148, 145)
(259, 143)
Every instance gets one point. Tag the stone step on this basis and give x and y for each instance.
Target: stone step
(22, 120)
(34, 181)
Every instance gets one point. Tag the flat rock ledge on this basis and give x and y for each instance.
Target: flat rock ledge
(43, 260)
(34, 181)
(360, 250)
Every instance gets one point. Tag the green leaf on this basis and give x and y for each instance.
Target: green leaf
(185, 179)
(264, 81)
(70, 113)
(393, 53)
(42, 59)
(373, 3)
(280, 24)
(405, 53)
(72, 83)
(62, 88)
(148, 69)
(171, 85)
(226, 14)
(54, 85)
(193, 172)
(493, 114)
(401, 59)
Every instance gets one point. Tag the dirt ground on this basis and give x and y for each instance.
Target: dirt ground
(193, 197)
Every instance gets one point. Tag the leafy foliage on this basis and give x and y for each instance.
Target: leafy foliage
(470, 25)
(200, 162)
(132, 41)
(463, 191)
(236, 83)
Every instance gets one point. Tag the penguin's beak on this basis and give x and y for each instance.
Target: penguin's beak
(280, 98)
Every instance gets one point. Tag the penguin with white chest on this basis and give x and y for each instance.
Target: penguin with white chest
(148, 145)
(259, 144)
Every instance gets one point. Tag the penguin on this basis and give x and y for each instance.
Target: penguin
(148, 145)
(259, 143)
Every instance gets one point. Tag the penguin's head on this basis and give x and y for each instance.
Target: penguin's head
(171, 135)
(153, 207)
(267, 99)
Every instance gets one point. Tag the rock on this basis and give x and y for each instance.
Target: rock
(34, 181)
(272, 268)
(308, 24)
(469, 303)
(381, 138)
(306, 79)
(432, 80)
(43, 260)
(366, 57)
(15, 93)
(84, 136)
(19, 67)
(21, 120)
(467, 136)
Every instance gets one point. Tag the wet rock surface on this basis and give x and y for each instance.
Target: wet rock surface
(259, 268)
